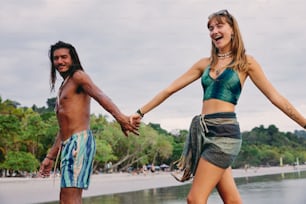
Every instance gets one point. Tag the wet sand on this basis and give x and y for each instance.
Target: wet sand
(38, 190)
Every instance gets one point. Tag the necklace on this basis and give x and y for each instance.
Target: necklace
(222, 63)
(224, 55)
(218, 71)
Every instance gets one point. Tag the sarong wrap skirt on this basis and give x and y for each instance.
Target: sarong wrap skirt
(215, 137)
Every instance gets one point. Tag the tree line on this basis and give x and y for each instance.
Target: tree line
(27, 133)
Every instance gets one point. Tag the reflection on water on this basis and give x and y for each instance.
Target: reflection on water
(152, 196)
(278, 188)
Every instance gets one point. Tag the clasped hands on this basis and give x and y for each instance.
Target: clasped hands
(131, 124)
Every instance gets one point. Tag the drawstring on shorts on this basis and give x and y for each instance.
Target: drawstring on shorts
(56, 162)
(203, 124)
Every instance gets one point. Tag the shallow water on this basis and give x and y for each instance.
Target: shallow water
(279, 188)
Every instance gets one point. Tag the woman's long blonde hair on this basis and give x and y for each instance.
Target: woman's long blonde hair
(239, 62)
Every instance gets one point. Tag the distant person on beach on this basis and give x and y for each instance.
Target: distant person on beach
(152, 168)
(214, 138)
(74, 141)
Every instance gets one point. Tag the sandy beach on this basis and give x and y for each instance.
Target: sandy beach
(38, 190)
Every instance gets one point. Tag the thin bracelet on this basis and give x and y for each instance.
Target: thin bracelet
(304, 126)
(50, 158)
(140, 113)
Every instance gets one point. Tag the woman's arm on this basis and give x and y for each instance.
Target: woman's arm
(263, 84)
(188, 77)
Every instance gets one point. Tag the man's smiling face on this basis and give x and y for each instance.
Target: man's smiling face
(62, 60)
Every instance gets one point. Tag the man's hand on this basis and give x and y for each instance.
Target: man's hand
(45, 168)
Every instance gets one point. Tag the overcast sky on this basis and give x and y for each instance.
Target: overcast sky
(134, 48)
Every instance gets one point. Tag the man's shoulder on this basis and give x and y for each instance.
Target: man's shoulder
(82, 80)
(79, 75)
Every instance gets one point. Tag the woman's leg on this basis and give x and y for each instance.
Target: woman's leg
(205, 180)
(227, 188)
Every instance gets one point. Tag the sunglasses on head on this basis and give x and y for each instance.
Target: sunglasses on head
(223, 12)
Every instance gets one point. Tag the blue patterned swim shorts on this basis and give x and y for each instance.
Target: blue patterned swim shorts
(77, 157)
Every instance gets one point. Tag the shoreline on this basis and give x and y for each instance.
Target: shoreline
(39, 190)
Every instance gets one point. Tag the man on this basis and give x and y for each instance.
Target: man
(74, 139)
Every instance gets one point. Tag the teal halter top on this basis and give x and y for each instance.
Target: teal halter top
(225, 87)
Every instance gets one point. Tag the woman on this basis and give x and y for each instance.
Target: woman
(214, 138)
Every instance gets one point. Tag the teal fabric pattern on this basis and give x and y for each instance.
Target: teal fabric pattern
(215, 137)
(226, 87)
(77, 160)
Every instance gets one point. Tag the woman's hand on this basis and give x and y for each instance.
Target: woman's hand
(135, 119)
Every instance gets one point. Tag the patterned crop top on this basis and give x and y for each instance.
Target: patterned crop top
(225, 87)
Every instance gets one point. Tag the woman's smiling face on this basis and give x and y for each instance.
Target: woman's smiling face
(220, 33)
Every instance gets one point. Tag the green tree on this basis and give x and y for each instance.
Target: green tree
(9, 131)
(269, 156)
(33, 129)
(104, 154)
(20, 161)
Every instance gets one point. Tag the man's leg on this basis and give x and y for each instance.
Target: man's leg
(71, 195)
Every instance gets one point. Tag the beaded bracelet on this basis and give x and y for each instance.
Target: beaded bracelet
(140, 113)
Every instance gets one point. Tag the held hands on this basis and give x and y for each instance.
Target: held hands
(132, 125)
(128, 126)
(135, 119)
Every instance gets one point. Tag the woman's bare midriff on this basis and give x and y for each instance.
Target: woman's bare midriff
(216, 106)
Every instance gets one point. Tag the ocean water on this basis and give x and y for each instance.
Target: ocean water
(287, 188)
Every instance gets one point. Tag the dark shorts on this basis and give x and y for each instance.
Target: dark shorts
(77, 160)
(221, 138)
(214, 137)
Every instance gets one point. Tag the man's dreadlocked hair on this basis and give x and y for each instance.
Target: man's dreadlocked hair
(76, 64)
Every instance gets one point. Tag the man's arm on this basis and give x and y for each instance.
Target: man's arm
(92, 90)
(47, 163)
